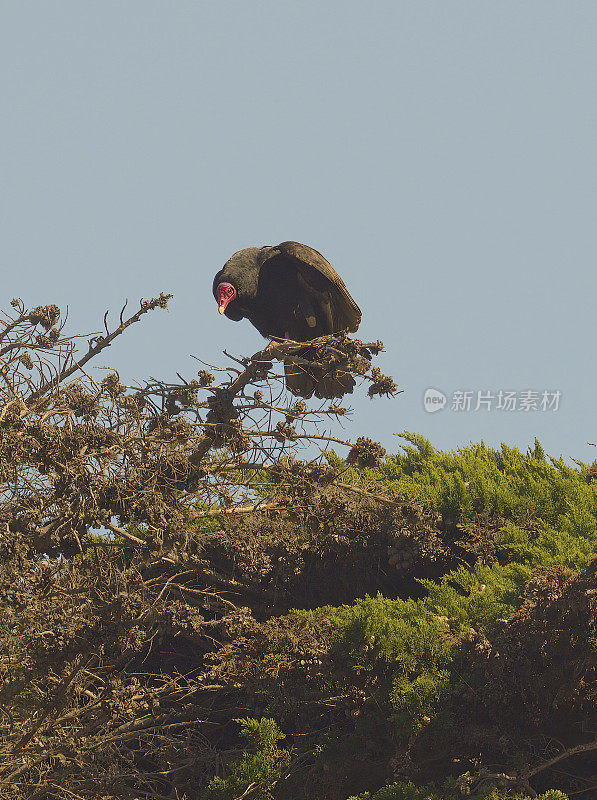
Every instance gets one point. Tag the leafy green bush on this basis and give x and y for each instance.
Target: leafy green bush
(477, 479)
(408, 791)
(412, 649)
(259, 767)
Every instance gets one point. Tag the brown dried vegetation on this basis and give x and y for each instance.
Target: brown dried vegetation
(104, 640)
(154, 541)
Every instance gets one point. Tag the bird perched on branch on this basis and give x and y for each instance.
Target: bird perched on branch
(290, 291)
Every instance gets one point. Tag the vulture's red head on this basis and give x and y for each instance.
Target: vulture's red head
(225, 293)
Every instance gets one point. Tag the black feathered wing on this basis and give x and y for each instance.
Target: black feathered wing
(319, 278)
(335, 311)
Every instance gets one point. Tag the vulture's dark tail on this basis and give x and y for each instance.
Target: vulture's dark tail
(305, 381)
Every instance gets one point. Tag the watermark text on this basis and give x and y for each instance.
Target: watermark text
(524, 400)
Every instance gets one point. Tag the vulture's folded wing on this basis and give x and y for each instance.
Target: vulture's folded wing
(321, 278)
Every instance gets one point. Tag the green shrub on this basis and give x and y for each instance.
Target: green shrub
(477, 479)
(261, 766)
(408, 791)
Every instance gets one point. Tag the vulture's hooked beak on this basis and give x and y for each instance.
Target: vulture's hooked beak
(226, 293)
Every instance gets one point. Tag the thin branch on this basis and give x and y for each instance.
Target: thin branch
(235, 511)
(370, 495)
(124, 534)
(572, 751)
(101, 344)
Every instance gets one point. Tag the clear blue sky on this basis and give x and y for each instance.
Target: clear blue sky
(441, 154)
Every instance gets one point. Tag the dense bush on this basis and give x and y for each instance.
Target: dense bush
(410, 792)
(419, 626)
(497, 657)
(257, 770)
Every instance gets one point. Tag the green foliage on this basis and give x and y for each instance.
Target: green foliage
(400, 791)
(417, 699)
(259, 767)
(401, 644)
(476, 598)
(547, 508)
(400, 633)
(417, 683)
(412, 657)
(409, 646)
(403, 648)
(408, 791)
(412, 647)
(506, 483)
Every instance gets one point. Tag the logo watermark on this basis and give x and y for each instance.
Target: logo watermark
(434, 400)
(525, 400)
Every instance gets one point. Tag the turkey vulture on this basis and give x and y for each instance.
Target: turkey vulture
(290, 291)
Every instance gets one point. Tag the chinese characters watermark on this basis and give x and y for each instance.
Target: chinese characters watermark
(484, 400)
